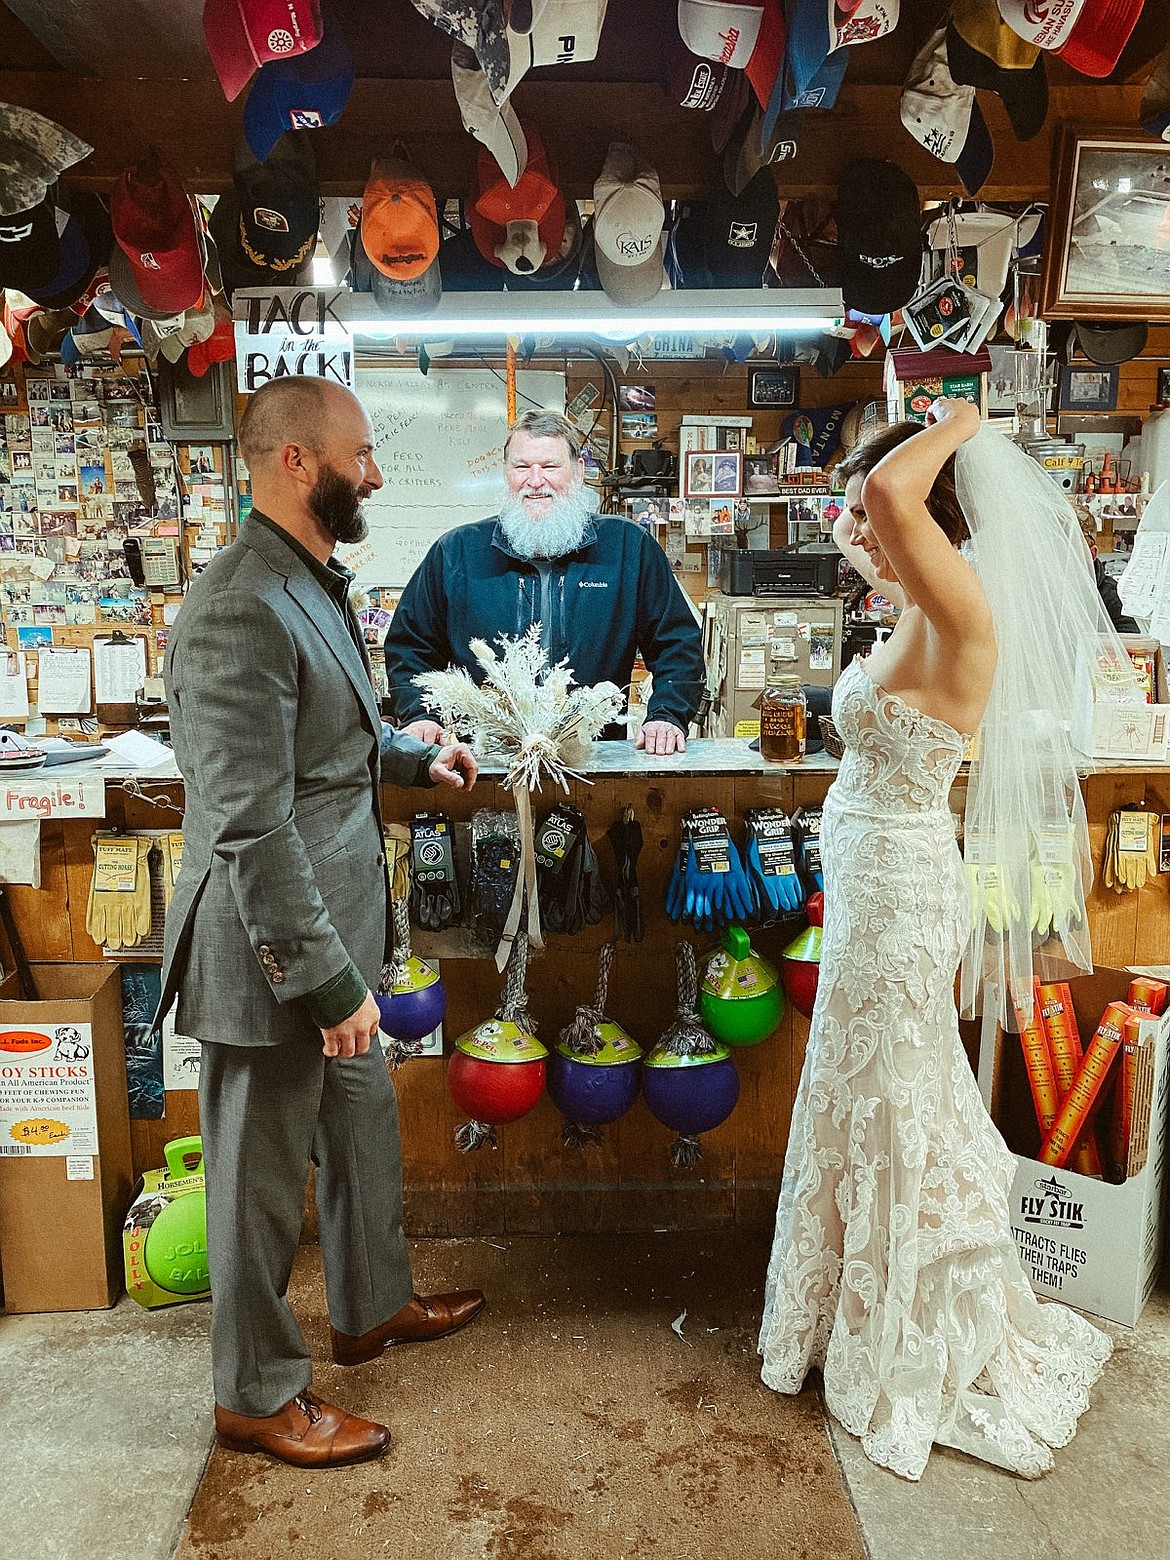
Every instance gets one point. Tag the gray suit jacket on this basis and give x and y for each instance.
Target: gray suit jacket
(281, 746)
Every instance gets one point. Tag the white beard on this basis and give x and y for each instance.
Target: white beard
(557, 535)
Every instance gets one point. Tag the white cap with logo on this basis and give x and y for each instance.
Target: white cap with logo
(628, 218)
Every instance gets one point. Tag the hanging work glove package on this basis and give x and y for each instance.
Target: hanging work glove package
(708, 886)
(495, 867)
(435, 901)
(567, 875)
(769, 855)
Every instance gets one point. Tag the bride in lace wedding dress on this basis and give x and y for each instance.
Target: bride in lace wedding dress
(894, 1269)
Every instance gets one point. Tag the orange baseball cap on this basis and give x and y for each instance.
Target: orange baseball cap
(400, 223)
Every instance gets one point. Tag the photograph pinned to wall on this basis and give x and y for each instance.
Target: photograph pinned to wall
(728, 474)
(10, 397)
(201, 459)
(773, 387)
(636, 398)
(722, 517)
(639, 425)
(696, 517)
(649, 512)
(1092, 388)
(93, 481)
(761, 473)
(698, 474)
(1106, 246)
(35, 638)
(831, 509)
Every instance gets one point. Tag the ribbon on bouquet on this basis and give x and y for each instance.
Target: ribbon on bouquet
(525, 879)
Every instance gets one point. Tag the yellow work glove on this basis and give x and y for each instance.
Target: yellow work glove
(397, 837)
(991, 894)
(118, 912)
(171, 849)
(1053, 887)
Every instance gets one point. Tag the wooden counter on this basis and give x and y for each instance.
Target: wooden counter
(531, 1183)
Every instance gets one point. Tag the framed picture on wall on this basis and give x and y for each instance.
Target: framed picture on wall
(727, 481)
(1105, 257)
(1088, 388)
(773, 387)
(1163, 386)
(698, 478)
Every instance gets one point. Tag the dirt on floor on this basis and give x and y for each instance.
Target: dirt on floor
(607, 1404)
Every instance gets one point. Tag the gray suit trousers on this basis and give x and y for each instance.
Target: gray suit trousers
(265, 1111)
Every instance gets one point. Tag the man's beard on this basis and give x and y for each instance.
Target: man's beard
(557, 535)
(337, 504)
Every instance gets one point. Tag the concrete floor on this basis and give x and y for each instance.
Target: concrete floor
(108, 1426)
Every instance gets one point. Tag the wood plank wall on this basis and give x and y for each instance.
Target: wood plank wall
(531, 1183)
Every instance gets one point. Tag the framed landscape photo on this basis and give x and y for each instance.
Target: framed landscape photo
(1107, 254)
(770, 387)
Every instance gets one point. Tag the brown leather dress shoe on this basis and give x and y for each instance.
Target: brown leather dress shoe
(305, 1432)
(421, 1319)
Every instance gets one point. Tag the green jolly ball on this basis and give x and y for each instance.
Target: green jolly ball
(740, 999)
(176, 1246)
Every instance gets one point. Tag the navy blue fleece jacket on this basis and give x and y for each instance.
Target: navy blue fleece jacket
(611, 598)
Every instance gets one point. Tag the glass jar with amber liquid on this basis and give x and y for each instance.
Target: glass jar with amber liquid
(783, 721)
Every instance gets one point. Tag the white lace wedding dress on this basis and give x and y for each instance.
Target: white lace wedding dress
(893, 1266)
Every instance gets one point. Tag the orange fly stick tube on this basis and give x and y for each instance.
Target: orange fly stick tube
(1055, 1006)
(1147, 995)
(1087, 1085)
(1121, 1125)
(1038, 1061)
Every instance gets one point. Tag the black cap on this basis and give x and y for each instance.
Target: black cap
(1024, 92)
(1107, 344)
(265, 227)
(879, 236)
(738, 231)
(85, 242)
(30, 251)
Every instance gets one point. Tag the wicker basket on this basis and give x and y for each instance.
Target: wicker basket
(831, 737)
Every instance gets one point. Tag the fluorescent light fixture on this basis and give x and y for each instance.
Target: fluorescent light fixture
(752, 311)
(496, 315)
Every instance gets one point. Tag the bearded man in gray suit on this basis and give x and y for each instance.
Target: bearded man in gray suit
(278, 929)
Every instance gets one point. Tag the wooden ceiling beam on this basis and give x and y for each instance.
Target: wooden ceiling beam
(196, 131)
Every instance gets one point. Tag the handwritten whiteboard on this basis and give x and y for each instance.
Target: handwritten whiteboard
(440, 446)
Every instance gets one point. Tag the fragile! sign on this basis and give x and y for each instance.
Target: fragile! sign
(83, 797)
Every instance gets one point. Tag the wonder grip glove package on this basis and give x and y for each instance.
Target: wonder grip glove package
(708, 886)
(434, 894)
(567, 876)
(806, 827)
(770, 863)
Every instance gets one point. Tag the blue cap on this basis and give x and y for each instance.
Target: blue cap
(820, 91)
(302, 92)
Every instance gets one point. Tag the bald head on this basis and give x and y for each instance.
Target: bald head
(296, 410)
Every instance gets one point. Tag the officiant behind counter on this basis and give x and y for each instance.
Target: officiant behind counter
(600, 587)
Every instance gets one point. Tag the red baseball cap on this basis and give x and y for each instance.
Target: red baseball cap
(1089, 35)
(242, 35)
(158, 257)
(749, 35)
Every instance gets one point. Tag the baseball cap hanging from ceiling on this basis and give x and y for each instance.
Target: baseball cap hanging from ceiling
(300, 91)
(984, 52)
(265, 226)
(518, 226)
(34, 152)
(879, 236)
(243, 35)
(818, 28)
(628, 222)
(480, 25)
(156, 265)
(1089, 35)
(748, 36)
(945, 116)
(396, 248)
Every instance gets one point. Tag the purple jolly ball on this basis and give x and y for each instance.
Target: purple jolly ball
(694, 1098)
(590, 1095)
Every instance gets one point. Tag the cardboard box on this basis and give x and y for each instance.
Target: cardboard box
(1102, 728)
(65, 1167)
(1094, 1245)
(914, 379)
